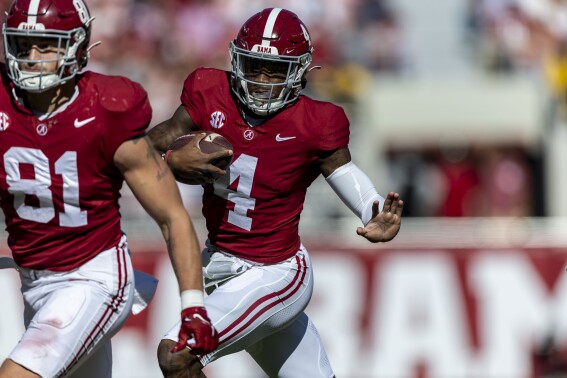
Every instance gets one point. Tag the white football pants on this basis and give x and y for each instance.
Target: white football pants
(71, 316)
(259, 308)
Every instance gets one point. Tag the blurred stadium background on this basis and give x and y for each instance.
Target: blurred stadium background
(460, 105)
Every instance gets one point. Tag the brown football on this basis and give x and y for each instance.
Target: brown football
(212, 142)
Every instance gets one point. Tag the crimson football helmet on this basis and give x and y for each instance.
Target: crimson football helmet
(274, 43)
(65, 24)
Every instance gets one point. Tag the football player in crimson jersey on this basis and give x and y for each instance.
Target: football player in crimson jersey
(257, 272)
(68, 141)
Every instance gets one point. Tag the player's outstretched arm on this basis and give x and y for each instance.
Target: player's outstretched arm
(357, 191)
(188, 162)
(155, 188)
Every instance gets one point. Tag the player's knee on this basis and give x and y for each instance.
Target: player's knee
(10, 369)
(178, 365)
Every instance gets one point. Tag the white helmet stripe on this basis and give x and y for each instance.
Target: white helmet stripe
(32, 11)
(268, 29)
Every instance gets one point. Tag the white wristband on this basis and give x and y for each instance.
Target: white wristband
(191, 298)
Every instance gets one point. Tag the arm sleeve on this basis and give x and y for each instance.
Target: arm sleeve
(356, 190)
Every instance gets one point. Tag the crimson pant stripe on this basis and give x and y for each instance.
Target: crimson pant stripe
(111, 308)
(260, 301)
(301, 271)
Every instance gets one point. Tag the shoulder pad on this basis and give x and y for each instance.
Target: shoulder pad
(118, 94)
(206, 78)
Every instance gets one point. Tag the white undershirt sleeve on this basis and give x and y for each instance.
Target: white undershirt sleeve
(356, 190)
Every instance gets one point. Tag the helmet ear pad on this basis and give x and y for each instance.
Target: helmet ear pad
(273, 36)
(68, 22)
(82, 54)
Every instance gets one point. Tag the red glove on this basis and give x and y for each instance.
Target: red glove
(197, 332)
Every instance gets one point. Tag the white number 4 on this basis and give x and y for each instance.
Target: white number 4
(243, 168)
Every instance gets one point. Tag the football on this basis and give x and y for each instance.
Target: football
(212, 142)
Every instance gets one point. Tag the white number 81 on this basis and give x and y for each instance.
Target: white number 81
(66, 166)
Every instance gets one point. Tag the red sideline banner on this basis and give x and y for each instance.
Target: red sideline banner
(415, 312)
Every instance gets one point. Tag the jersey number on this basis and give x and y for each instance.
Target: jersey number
(66, 166)
(243, 169)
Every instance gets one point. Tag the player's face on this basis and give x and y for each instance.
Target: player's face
(38, 54)
(261, 72)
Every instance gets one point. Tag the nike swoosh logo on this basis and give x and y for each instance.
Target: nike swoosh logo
(281, 139)
(196, 316)
(83, 122)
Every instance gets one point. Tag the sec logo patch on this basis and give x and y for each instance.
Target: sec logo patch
(218, 119)
(4, 121)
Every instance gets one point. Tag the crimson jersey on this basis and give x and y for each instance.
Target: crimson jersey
(59, 187)
(253, 211)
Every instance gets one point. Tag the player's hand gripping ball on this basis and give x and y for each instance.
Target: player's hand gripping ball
(211, 143)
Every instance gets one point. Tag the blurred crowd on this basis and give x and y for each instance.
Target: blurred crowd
(510, 36)
(157, 42)
(474, 181)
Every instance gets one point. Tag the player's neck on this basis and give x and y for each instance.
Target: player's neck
(50, 100)
(251, 118)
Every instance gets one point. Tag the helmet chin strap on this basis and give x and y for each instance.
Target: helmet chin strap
(268, 105)
(34, 82)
